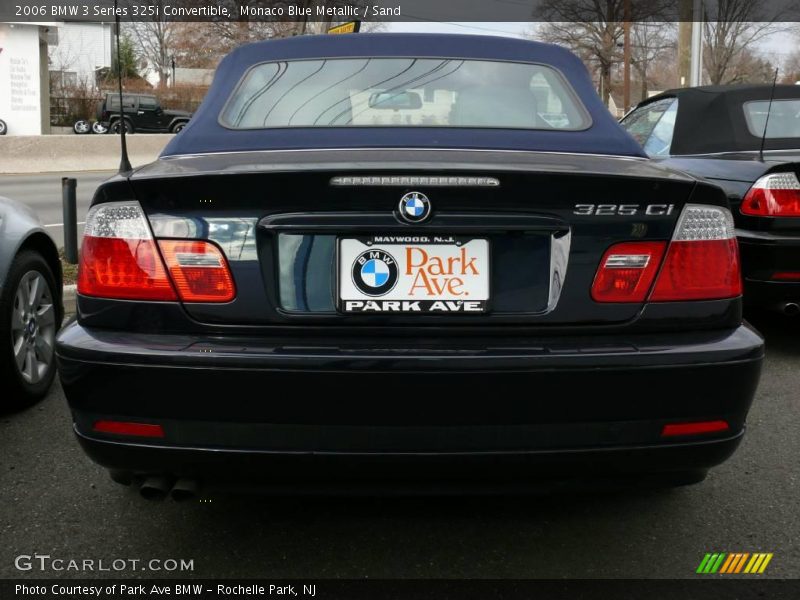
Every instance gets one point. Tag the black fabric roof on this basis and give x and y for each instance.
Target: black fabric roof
(711, 118)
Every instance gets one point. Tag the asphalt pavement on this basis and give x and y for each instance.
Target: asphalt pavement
(54, 501)
(43, 194)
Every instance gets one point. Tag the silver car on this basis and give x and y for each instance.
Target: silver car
(31, 307)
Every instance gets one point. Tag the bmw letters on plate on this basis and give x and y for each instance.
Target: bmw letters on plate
(413, 274)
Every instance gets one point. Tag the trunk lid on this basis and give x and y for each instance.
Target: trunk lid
(292, 225)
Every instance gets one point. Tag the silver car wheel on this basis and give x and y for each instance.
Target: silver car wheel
(82, 127)
(99, 128)
(33, 329)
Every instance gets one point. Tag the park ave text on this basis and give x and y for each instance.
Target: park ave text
(118, 590)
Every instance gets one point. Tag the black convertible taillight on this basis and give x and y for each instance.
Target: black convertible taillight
(773, 195)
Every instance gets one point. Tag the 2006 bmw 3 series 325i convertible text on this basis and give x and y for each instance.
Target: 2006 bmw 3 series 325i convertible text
(379, 261)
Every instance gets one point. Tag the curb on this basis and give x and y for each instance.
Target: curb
(68, 297)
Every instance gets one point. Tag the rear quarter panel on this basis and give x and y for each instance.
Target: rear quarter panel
(17, 223)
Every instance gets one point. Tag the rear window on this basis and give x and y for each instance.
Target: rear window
(404, 92)
(784, 118)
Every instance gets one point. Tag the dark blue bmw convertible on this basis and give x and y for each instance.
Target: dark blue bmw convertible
(387, 262)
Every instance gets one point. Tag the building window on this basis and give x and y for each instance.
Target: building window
(63, 79)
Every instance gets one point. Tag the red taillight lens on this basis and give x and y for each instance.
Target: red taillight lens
(627, 271)
(774, 195)
(700, 270)
(701, 263)
(119, 258)
(199, 270)
(694, 428)
(132, 429)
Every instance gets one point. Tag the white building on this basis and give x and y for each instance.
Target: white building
(78, 50)
(24, 85)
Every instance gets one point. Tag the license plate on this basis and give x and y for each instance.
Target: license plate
(413, 274)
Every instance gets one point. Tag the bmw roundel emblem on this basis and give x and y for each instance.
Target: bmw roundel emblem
(414, 207)
(375, 272)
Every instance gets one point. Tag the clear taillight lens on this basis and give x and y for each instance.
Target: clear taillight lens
(773, 195)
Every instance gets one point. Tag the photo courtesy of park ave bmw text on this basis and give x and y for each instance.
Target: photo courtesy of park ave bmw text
(400, 299)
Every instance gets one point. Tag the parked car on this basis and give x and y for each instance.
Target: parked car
(382, 268)
(143, 113)
(3, 127)
(30, 306)
(716, 133)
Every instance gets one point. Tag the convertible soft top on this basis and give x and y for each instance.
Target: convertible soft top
(711, 118)
(205, 134)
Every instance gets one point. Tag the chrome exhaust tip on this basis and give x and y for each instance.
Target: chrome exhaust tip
(155, 487)
(185, 489)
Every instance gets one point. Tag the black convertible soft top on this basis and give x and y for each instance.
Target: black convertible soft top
(712, 119)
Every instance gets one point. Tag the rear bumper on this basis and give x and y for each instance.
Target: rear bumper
(763, 255)
(243, 408)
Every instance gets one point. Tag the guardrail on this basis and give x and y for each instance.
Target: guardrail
(71, 153)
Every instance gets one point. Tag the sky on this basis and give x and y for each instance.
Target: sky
(778, 45)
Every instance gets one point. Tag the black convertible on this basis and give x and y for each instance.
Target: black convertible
(717, 133)
(394, 260)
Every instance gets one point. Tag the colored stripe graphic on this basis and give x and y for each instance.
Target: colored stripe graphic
(703, 563)
(741, 562)
(728, 564)
(734, 562)
(717, 564)
(711, 562)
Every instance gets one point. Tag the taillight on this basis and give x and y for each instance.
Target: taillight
(627, 271)
(199, 270)
(773, 195)
(702, 261)
(119, 258)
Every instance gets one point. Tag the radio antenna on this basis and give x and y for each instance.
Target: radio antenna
(124, 162)
(766, 121)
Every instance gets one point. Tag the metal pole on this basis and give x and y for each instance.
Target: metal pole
(696, 70)
(626, 54)
(69, 187)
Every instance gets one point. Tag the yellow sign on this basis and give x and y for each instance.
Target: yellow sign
(350, 27)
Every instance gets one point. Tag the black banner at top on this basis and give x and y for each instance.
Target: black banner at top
(403, 10)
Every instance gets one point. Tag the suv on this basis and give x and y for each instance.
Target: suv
(142, 112)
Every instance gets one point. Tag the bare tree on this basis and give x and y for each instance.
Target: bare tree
(790, 67)
(730, 33)
(203, 44)
(651, 42)
(154, 39)
(593, 29)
